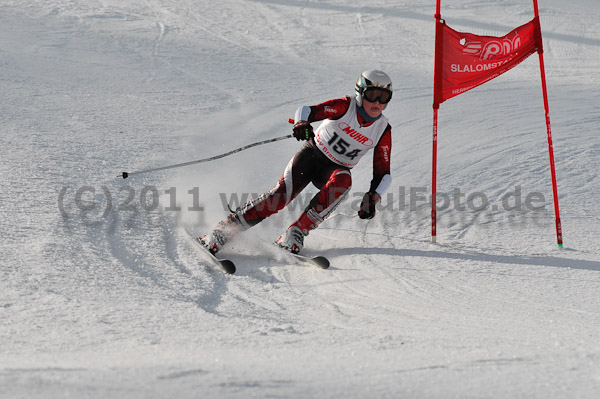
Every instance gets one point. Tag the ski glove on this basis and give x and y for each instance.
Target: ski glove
(367, 206)
(303, 131)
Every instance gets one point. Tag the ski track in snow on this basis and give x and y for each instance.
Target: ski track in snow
(113, 300)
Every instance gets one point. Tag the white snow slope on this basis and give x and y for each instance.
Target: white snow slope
(101, 295)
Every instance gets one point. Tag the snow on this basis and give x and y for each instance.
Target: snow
(114, 301)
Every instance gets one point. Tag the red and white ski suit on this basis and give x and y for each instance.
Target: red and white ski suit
(326, 160)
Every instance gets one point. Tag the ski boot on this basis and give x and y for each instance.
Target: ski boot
(292, 240)
(223, 232)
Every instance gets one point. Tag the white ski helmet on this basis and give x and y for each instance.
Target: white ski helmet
(373, 78)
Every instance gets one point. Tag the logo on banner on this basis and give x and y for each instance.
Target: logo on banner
(491, 50)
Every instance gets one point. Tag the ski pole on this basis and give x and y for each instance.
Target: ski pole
(125, 175)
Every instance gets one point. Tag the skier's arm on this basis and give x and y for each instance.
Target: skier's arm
(332, 109)
(382, 179)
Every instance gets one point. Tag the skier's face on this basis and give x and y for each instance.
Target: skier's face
(373, 109)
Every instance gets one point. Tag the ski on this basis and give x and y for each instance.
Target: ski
(319, 261)
(225, 265)
(228, 266)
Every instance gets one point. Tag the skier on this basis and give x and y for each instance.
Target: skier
(350, 127)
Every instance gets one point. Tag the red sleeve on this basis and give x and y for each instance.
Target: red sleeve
(331, 109)
(382, 152)
(381, 158)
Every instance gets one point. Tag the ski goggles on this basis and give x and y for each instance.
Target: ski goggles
(378, 94)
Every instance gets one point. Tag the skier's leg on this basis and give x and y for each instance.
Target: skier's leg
(293, 180)
(334, 191)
